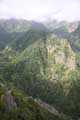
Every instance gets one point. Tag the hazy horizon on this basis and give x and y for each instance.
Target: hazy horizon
(40, 10)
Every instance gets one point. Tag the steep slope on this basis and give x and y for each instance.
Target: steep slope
(15, 105)
(75, 38)
(48, 51)
(13, 25)
(44, 65)
(68, 30)
(13, 29)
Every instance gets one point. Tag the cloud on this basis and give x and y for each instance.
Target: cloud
(38, 9)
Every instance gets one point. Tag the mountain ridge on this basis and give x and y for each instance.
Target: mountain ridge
(42, 62)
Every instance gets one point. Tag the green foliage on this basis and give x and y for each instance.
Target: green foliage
(26, 108)
(26, 64)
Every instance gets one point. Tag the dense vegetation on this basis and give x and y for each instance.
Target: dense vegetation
(19, 106)
(44, 64)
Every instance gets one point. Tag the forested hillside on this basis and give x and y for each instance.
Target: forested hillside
(43, 61)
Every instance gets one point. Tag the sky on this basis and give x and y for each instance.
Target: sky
(40, 10)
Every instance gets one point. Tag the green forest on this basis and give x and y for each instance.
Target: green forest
(39, 70)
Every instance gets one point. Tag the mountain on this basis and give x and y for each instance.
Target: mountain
(17, 106)
(75, 38)
(13, 29)
(66, 26)
(42, 59)
(68, 30)
(13, 25)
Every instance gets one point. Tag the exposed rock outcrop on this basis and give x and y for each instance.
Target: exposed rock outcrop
(60, 52)
(9, 101)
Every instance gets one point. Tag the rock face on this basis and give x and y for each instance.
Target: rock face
(9, 101)
(61, 53)
(72, 26)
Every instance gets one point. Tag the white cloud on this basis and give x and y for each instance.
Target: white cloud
(38, 9)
